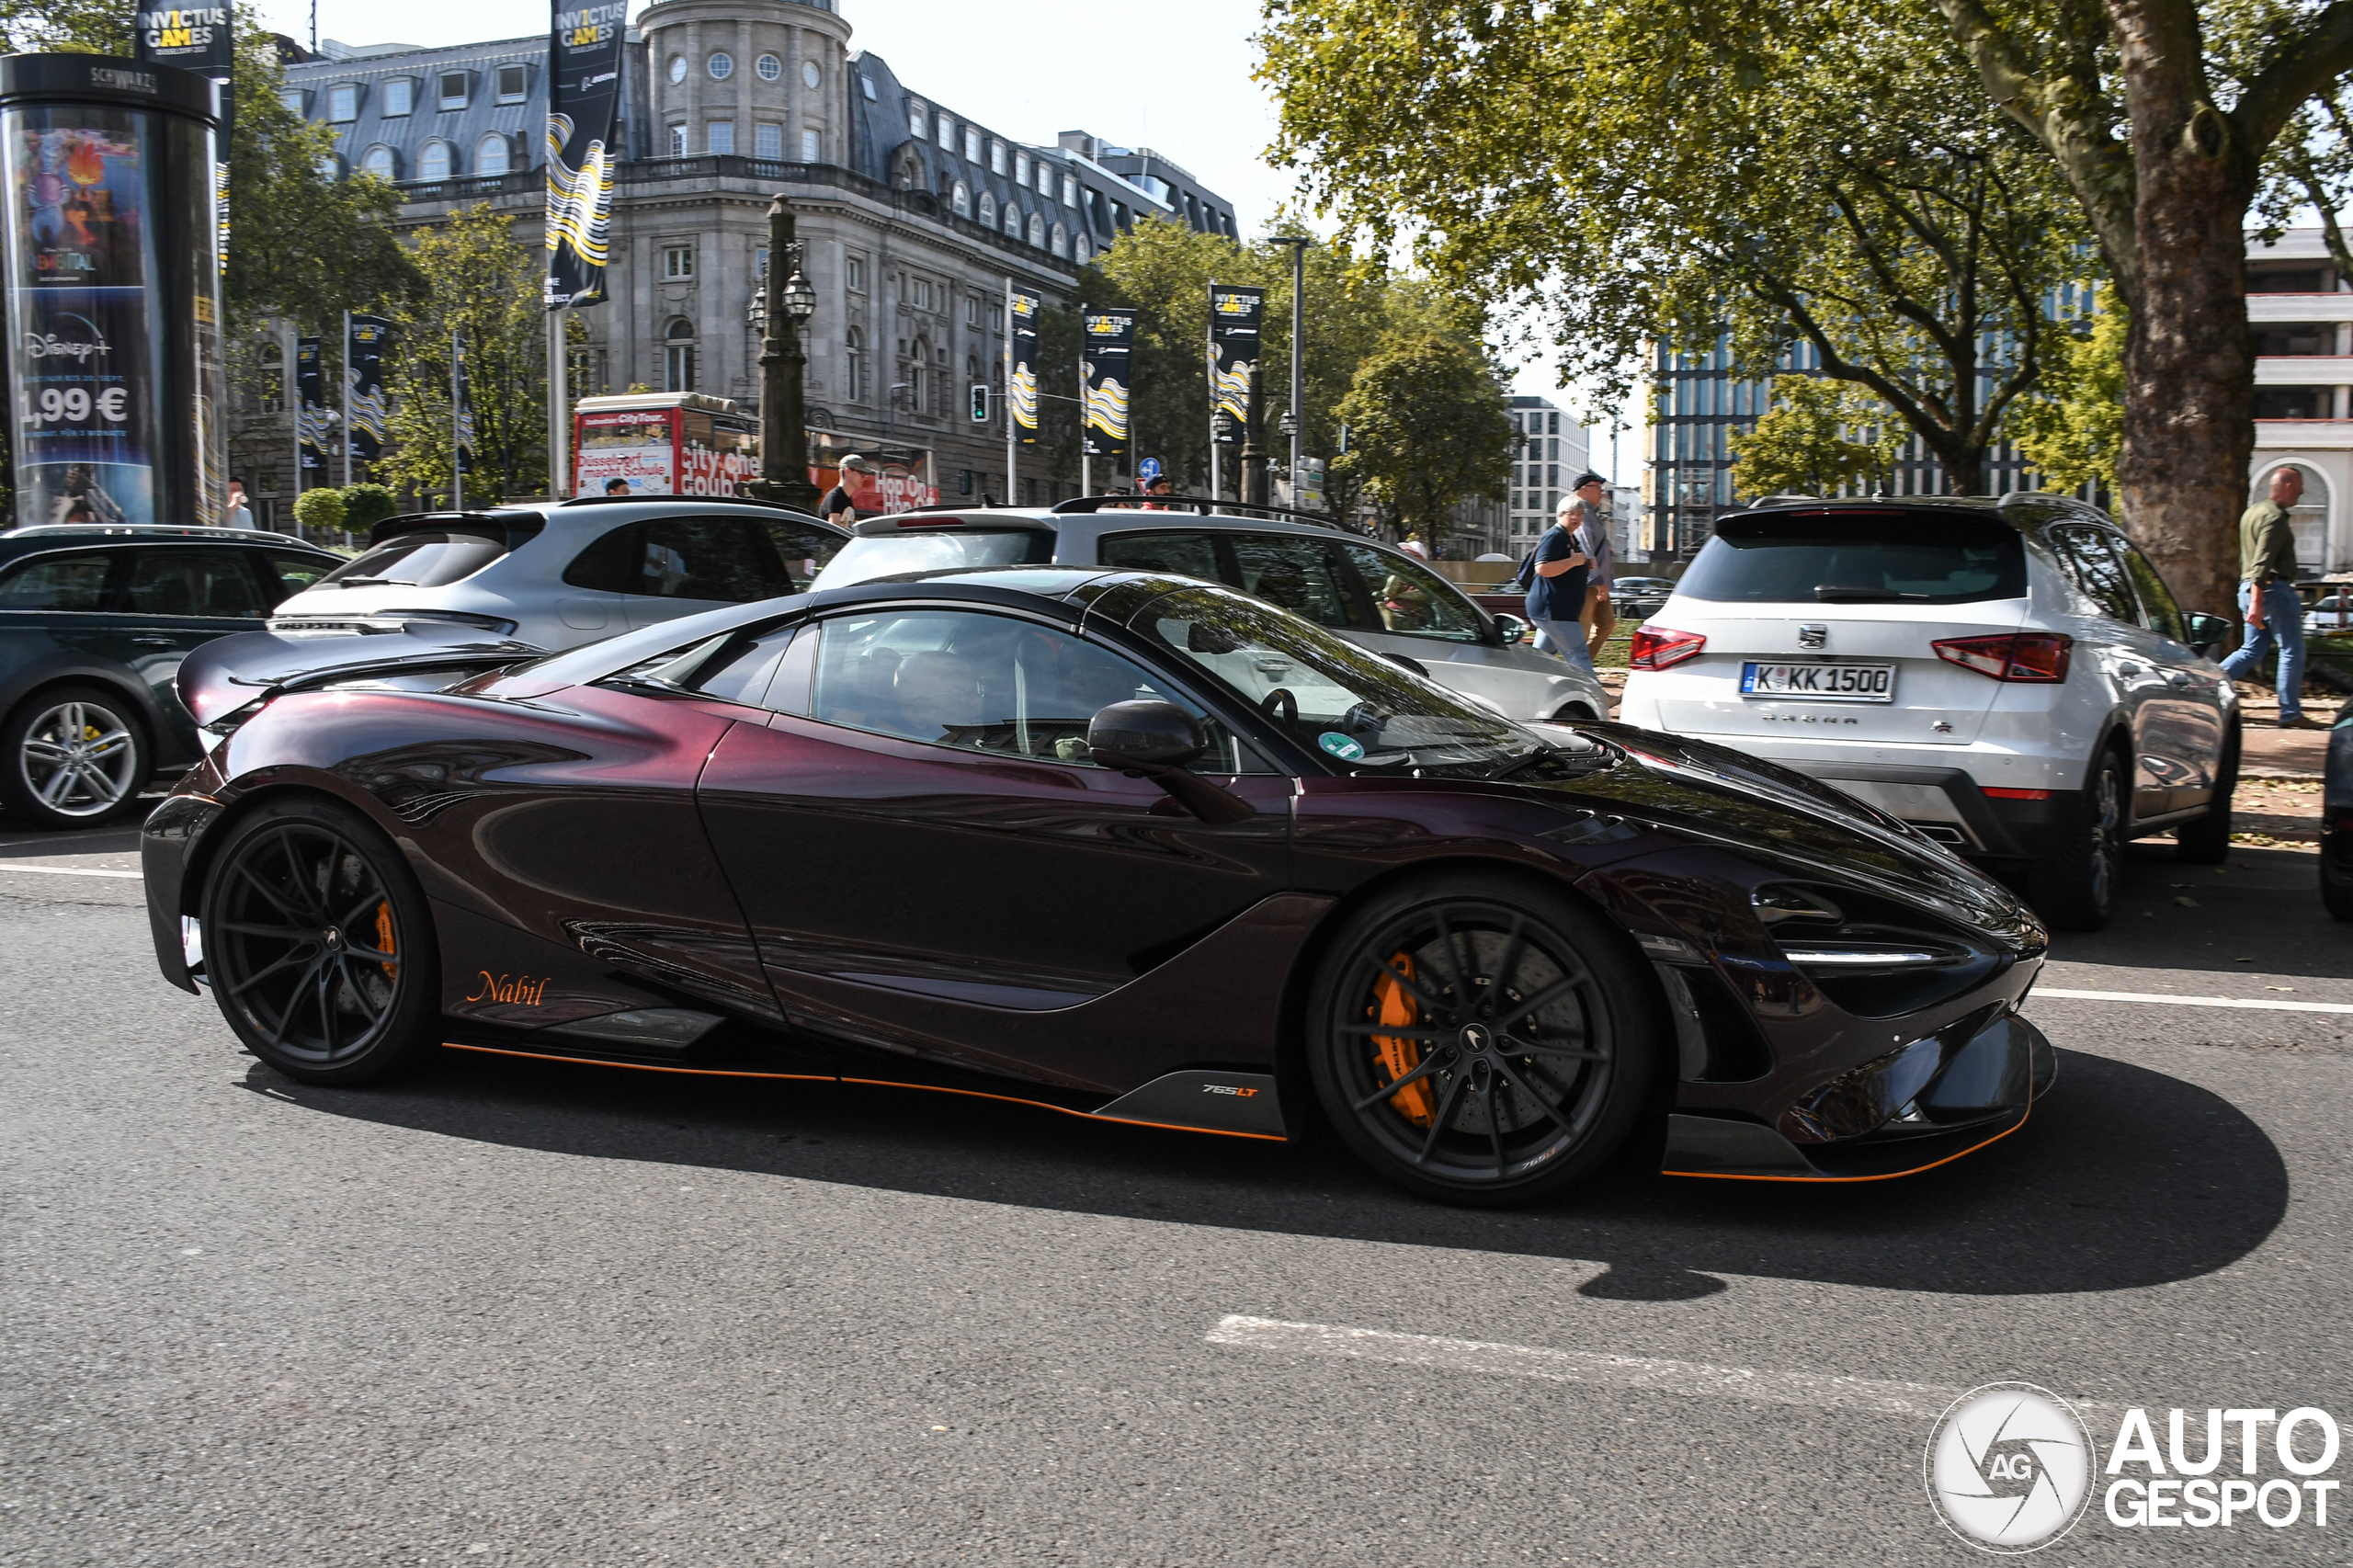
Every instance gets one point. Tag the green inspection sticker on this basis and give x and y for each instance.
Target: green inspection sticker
(1339, 745)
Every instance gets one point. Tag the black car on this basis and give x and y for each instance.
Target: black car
(1131, 847)
(94, 622)
(2336, 818)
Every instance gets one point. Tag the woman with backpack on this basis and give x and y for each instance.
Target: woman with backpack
(1554, 574)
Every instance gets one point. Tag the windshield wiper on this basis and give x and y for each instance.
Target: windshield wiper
(1842, 593)
(377, 582)
(1524, 759)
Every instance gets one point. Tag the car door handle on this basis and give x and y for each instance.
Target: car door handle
(155, 641)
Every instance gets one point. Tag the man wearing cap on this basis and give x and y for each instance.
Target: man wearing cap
(1591, 523)
(837, 507)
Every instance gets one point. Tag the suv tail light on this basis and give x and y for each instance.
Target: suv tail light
(2012, 656)
(1661, 650)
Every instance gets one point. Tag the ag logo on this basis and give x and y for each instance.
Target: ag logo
(2009, 1467)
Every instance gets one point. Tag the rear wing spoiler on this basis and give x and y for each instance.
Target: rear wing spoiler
(229, 674)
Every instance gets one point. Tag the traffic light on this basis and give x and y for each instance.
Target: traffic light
(980, 402)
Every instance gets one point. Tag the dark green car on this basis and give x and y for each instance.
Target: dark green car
(94, 622)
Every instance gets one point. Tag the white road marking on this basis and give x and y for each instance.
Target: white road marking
(2265, 1006)
(71, 872)
(1809, 1389)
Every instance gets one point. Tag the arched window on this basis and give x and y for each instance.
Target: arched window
(1080, 251)
(1012, 221)
(1037, 231)
(988, 210)
(433, 161)
(919, 376)
(378, 161)
(678, 357)
(857, 365)
(1060, 243)
(489, 155)
(961, 199)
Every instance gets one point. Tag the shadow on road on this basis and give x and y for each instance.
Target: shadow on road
(2124, 1178)
(2263, 905)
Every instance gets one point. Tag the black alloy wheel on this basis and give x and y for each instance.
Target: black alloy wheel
(72, 757)
(1482, 1041)
(2074, 888)
(318, 944)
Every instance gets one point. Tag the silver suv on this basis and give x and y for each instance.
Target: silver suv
(1375, 595)
(568, 573)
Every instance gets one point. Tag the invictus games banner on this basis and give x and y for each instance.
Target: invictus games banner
(584, 97)
(1107, 344)
(1235, 315)
(199, 38)
(311, 425)
(363, 385)
(1023, 383)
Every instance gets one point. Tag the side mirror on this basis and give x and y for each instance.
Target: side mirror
(1144, 735)
(2207, 632)
(1511, 627)
(1156, 740)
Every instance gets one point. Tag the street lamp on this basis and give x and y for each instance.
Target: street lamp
(783, 307)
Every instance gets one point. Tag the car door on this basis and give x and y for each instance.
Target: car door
(2130, 656)
(1419, 613)
(931, 865)
(54, 615)
(2190, 722)
(173, 600)
(681, 565)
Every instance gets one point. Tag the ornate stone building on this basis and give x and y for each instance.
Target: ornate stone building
(913, 217)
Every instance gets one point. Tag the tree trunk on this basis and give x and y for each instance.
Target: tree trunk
(2188, 363)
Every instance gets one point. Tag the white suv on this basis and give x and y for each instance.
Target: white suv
(2011, 678)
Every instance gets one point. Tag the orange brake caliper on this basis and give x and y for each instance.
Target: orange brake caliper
(1399, 1057)
(384, 942)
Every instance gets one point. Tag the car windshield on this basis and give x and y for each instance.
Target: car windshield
(1332, 696)
(429, 558)
(869, 556)
(1858, 558)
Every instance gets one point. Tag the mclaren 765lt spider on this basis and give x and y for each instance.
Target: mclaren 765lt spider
(1131, 846)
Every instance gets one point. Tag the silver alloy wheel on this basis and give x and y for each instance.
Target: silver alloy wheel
(2108, 837)
(79, 759)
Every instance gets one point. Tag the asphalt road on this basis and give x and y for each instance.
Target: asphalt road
(507, 1312)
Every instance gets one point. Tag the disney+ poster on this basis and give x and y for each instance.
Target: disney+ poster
(78, 266)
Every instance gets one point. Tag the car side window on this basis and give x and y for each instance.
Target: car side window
(607, 565)
(2092, 567)
(212, 583)
(74, 581)
(1186, 554)
(1412, 599)
(804, 550)
(1296, 575)
(985, 683)
(2157, 605)
(293, 574)
(728, 559)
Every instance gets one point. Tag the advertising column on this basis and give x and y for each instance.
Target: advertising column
(113, 283)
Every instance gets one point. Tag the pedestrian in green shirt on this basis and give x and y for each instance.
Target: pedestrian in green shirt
(2267, 596)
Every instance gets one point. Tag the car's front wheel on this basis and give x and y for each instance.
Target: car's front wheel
(318, 944)
(1482, 1041)
(2075, 886)
(73, 756)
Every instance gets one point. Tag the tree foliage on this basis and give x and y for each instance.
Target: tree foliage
(483, 282)
(1807, 442)
(2074, 430)
(1428, 431)
(1825, 174)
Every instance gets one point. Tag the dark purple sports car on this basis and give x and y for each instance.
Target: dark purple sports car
(1131, 846)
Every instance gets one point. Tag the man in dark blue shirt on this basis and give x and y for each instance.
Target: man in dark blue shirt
(1556, 598)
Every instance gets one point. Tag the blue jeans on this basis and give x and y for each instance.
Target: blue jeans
(1565, 638)
(2283, 624)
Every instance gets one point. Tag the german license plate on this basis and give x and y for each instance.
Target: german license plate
(1819, 683)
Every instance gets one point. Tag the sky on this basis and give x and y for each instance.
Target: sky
(1175, 77)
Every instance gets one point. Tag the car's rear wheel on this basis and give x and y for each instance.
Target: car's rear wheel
(73, 756)
(1481, 1041)
(2075, 886)
(318, 944)
(2207, 841)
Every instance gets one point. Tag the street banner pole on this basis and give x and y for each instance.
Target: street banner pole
(293, 377)
(457, 426)
(559, 421)
(1085, 468)
(346, 431)
(1012, 436)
